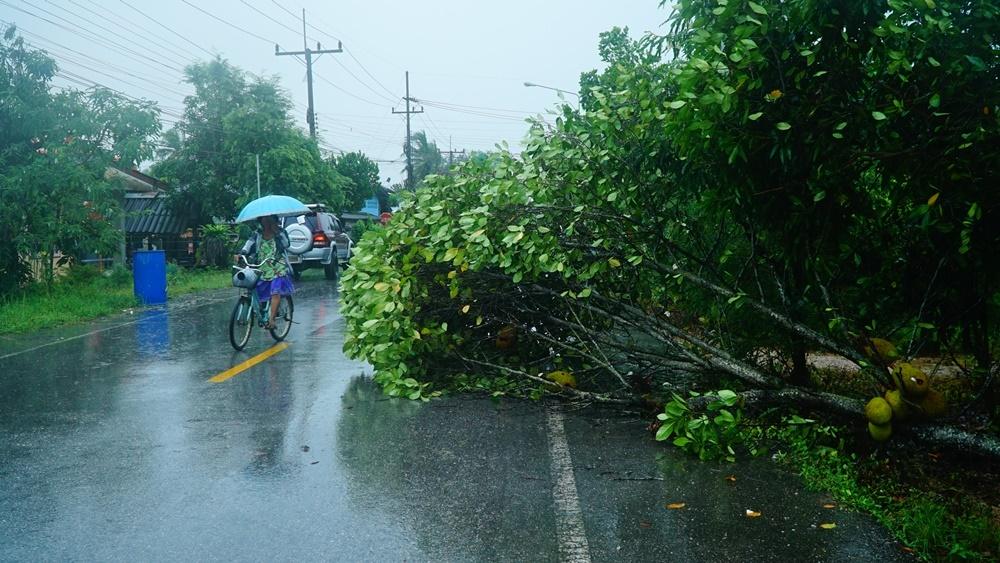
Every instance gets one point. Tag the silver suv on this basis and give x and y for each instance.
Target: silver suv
(323, 239)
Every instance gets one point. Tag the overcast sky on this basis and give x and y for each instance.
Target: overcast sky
(468, 59)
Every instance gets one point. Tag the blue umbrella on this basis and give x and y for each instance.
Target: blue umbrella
(280, 205)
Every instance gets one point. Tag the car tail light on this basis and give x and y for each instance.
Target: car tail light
(319, 239)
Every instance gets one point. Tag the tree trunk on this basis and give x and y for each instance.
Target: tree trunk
(931, 435)
(800, 369)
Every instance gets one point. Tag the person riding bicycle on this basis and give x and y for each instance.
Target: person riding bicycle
(270, 245)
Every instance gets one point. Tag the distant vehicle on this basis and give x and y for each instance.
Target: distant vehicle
(324, 240)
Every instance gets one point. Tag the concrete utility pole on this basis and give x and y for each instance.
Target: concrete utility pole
(258, 176)
(408, 112)
(311, 111)
(451, 152)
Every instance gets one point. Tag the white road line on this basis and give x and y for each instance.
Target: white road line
(572, 537)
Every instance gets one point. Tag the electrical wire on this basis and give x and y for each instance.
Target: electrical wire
(184, 57)
(39, 38)
(157, 22)
(391, 98)
(93, 36)
(230, 24)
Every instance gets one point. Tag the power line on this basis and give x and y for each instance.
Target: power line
(480, 108)
(94, 36)
(471, 112)
(39, 38)
(355, 96)
(427, 126)
(120, 79)
(230, 24)
(182, 56)
(392, 97)
(392, 94)
(259, 11)
(157, 22)
(350, 54)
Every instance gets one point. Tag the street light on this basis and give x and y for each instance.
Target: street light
(533, 85)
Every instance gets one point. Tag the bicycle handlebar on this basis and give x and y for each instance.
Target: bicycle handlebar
(248, 264)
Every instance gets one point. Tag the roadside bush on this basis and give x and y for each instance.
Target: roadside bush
(119, 276)
(361, 227)
(216, 249)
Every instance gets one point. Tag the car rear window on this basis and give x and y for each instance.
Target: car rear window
(315, 221)
(308, 220)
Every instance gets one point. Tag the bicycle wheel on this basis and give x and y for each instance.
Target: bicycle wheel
(283, 319)
(241, 323)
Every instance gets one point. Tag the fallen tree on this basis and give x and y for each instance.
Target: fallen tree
(622, 257)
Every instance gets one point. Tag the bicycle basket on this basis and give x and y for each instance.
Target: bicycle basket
(245, 277)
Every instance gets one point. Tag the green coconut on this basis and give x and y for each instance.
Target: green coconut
(900, 410)
(878, 411)
(883, 349)
(934, 404)
(911, 380)
(880, 432)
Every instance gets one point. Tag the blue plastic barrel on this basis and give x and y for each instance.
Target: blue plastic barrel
(149, 274)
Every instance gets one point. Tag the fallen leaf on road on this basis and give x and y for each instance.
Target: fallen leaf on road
(314, 463)
(828, 526)
(305, 448)
(645, 525)
(909, 549)
(829, 506)
(676, 505)
(752, 514)
(731, 478)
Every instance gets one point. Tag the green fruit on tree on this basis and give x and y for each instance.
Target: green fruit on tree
(882, 349)
(880, 432)
(562, 377)
(900, 410)
(878, 411)
(934, 404)
(913, 382)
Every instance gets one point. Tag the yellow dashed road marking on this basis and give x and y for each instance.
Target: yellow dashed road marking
(249, 363)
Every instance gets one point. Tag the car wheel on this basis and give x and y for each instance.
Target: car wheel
(330, 270)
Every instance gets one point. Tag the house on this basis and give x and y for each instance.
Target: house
(148, 221)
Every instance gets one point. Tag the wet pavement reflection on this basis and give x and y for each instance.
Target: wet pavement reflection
(115, 447)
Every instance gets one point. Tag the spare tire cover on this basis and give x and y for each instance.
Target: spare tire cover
(299, 238)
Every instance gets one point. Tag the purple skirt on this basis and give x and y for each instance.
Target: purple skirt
(281, 285)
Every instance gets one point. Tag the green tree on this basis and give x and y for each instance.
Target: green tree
(824, 123)
(55, 148)
(231, 119)
(426, 158)
(364, 175)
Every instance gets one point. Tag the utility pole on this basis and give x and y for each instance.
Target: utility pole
(451, 153)
(408, 112)
(311, 111)
(258, 176)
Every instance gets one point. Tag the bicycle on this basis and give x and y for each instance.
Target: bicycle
(249, 310)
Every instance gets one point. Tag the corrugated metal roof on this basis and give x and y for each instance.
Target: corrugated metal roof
(135, 181)
(150, 215)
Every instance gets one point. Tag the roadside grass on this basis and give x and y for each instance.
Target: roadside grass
(936, 519)
(86, 294)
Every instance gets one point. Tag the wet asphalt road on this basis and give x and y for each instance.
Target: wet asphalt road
(114, 446)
